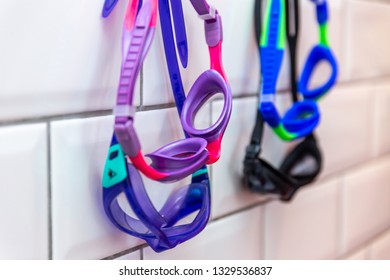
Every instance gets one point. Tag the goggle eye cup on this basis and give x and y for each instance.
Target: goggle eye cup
(318, 54)
(303, 163)
(302, 118)
(158, 228)
(207, 85)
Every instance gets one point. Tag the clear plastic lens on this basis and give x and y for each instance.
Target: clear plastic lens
(306, 166)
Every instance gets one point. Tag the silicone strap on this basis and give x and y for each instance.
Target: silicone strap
(320, 53)
(170, 54)
(303, 117)
(292, 28)
(109, 5)
(136, 41)
(201, 7)
(207, 85)
(271, 59)
(180, 32)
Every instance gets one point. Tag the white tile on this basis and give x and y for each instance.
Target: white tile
(24, 193)
(366, 49)
(73, 67)
(228, 192)
(382, 119)
(306, 228)
(236, 237)
(156, 84)
(134, 256)
(345, 131)
(366, 202)
(79, 152)
(360, 255)
(81, 229)
(380, 249)
(240, 49)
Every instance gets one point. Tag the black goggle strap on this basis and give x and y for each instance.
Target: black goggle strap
(308, 147)
(254, 149)
(257, 15)
(292, 28)
(256, 170)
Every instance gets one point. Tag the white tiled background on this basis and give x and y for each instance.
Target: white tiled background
(58, 75)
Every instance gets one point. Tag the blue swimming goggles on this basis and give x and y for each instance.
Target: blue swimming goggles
(303, 117)
(304, 163)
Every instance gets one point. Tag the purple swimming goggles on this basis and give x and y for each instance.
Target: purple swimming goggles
(179, 159)
(160, 229)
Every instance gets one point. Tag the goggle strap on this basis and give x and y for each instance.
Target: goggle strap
(292, 18)
(258, 19)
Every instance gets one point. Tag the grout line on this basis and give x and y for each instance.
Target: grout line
(386, 2)
(340, 222)
(57, 117)
(141, 253)
(241, 210)
(49, 191)
(157, 107)
(141, 108)
(350, 168)
(80, 115)
(141, 247)
(243, 96)
(366, 245)
(126, 252)
(264, 231)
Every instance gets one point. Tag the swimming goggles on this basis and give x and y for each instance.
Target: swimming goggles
(303, 164)
(181, 158)
(303, 117)
(166, 228)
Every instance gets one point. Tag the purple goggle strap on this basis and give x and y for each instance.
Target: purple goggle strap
(157, 228)
(166, 165)
(209, 83)
(135, 45)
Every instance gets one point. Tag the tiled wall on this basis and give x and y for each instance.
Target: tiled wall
(59, 66)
